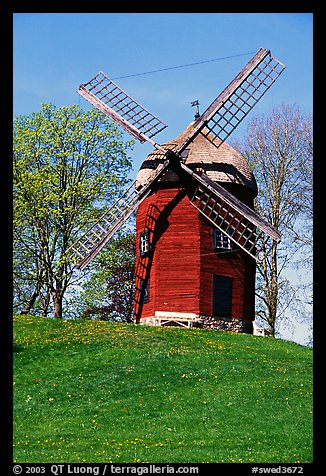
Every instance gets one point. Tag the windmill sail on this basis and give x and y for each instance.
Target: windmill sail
(229, 214)
(217, 122)
(238, 98)
(93, 241)
(115, 103)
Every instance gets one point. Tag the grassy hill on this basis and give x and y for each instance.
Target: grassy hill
(104, 392)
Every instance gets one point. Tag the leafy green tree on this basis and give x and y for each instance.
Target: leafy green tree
(68, 165)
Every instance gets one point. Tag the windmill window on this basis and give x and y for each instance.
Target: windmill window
(222, 241)
(144, 290)
(222, 296)
(144, 243)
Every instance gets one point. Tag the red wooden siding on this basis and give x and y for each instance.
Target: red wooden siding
(174, 265)
(234, 264)
(182, 262)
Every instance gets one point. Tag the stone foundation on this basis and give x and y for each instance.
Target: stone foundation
(225, 324)
(203, 322)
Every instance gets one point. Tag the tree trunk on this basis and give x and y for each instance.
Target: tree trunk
(30, 303)
(57, 305)
(36, 293)
(274, 290)
(271, 326)
(45, 303)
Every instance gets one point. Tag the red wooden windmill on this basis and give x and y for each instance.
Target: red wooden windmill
(196, 228)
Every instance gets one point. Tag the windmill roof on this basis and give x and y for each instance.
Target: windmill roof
(220, 161)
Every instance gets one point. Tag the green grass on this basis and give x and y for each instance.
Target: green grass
(91, 391)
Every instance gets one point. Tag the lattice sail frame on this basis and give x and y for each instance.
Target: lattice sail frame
(87, 246)
(231, 216)
(115, 103)
(245, 95)
(236, 101)
(227, 219)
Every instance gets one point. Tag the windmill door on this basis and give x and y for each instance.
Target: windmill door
(222, 296)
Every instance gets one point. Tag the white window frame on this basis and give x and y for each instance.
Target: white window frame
(221, 240)
(144, 243)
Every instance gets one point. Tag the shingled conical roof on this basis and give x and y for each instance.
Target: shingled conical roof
(218, 160)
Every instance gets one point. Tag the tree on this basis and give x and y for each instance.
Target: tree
(68, 165)
(279, 149)
(108, 294)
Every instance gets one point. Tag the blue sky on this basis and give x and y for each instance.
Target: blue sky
(55, 52)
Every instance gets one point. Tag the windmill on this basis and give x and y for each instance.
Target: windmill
(196, 227)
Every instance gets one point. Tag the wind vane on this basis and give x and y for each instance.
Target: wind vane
(196, 103)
